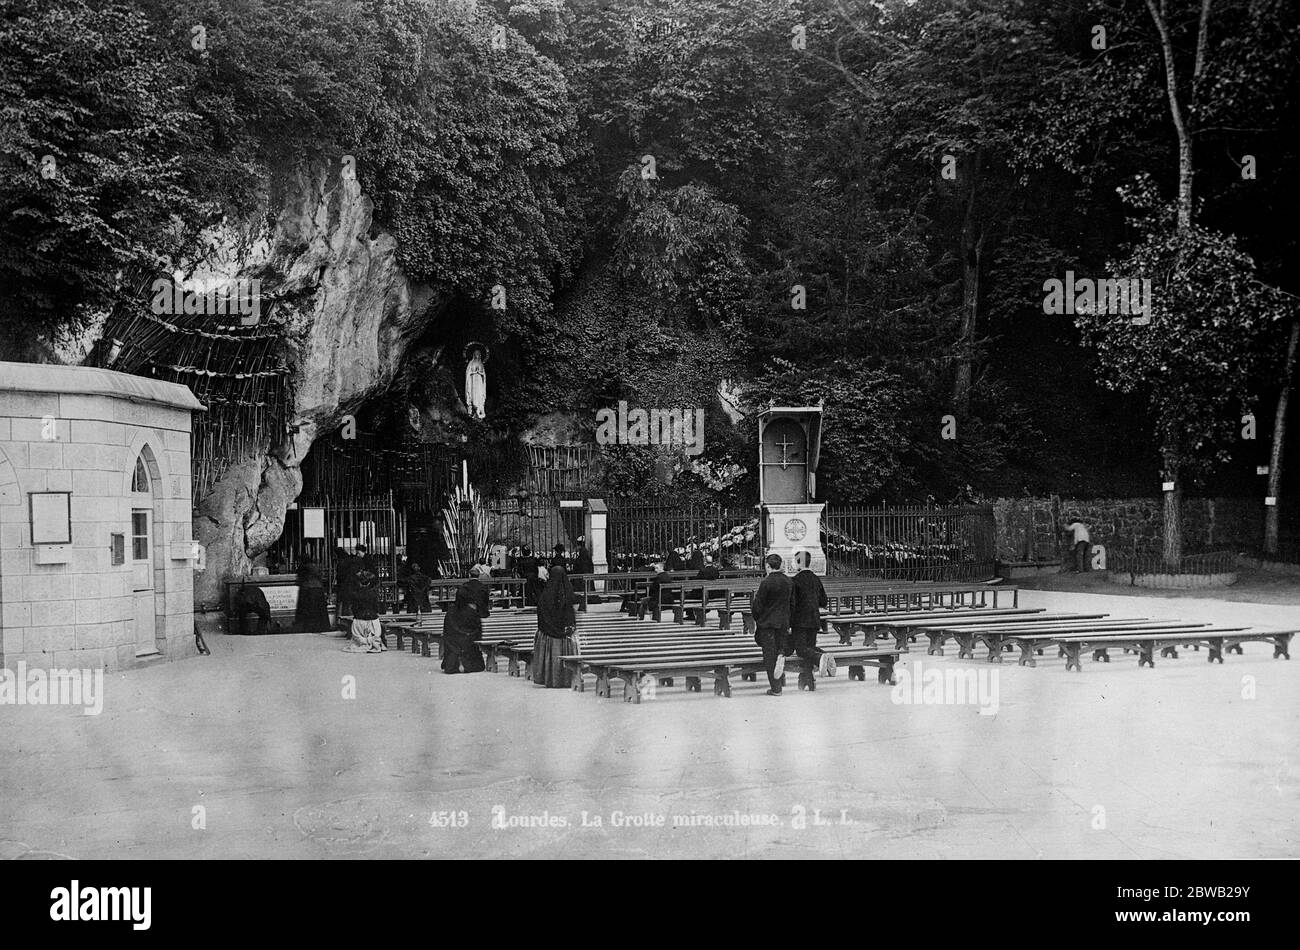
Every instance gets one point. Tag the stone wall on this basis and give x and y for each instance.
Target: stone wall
(1033, 529)
(68, 606)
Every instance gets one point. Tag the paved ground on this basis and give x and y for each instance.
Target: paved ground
(1113, 762)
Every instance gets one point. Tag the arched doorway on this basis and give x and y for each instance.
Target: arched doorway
(144, 552)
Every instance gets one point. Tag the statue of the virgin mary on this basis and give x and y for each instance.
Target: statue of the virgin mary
(476, 379)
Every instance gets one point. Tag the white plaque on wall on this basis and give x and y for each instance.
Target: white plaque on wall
(313, 522)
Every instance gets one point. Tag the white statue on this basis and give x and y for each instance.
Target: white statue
(475, 382)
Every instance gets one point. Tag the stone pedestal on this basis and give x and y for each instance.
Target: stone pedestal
(796, 527)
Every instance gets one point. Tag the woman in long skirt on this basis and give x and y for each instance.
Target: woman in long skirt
(312, 614)
(556, 623)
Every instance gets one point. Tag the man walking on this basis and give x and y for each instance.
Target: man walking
(772, 605)
(806, 622)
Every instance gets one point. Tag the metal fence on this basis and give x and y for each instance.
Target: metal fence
(1183, 574)
(642, 532)
(373, 522)
(918, 543)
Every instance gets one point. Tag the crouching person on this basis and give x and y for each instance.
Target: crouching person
(461, 628)
(367, 632)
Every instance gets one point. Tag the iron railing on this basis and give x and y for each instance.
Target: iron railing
(913, 543)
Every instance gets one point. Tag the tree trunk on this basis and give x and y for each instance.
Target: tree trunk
(972, 249)
(1272, 514)
(1173, 516)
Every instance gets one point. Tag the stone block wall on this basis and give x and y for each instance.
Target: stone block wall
(1032, 529)
(80, 612)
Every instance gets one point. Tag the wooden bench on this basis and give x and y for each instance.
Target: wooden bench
(951, 625)
(639, 671)
(905, 626)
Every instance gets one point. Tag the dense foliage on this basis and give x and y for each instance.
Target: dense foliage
(853, 202)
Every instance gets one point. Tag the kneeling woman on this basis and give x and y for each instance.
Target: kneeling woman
(556, 622)
(460, 629)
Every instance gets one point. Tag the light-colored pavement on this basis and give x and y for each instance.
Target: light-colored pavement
(260, 742)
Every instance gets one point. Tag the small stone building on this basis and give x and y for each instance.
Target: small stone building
(96, 561)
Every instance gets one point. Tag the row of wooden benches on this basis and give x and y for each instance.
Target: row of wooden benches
(642, 653)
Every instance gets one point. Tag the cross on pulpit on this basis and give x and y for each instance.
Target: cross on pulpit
(786, 444)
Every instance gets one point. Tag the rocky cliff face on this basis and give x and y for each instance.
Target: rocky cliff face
(351, 315)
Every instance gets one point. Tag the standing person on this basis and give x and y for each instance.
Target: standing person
(312, 614)
(527, 567)
(772, 606)
(415, 587)
(652, 602)
(582, 563)
(556, 624)
(367, 632)
(557, 557)
(696, 561)
(345, 566)
(806, 621)
(1082, 542)
(462, 627)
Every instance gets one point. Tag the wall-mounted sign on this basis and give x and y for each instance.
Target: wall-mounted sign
(313, 522)
(51, 517)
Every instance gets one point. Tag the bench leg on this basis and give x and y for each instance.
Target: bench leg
(1215, 648)
(665, 681)
(578, 682)
(858, 673)
(965, 646)
(1170, 651)
(692, 684)
(806, 681)
(1146, 655)
(1071, 652)
(885, 674)
(1281, 646)
(1027, 655)
(846, 633)
(1101, 655)
(1236, 648)
(995, 649)
(936, 644)
(602, 683)
(749, 677)
(722, 682)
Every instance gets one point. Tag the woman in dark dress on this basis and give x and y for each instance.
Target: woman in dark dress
(461, 627)
(312, 614)
(556, 621)
(526, 567)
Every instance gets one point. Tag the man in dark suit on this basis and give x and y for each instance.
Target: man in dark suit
(772, 606)
(806, 622)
